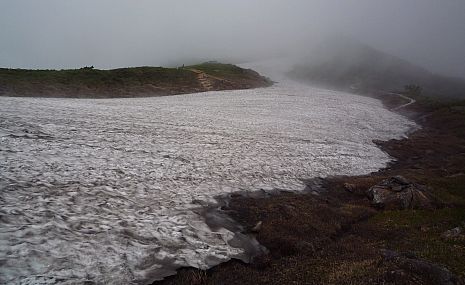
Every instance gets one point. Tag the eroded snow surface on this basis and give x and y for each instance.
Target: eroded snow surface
(108, 190)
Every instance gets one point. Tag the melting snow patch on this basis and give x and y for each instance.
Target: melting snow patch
(105, 190)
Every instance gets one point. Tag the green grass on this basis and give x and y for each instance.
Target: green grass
(421, 233)
(95, 77)
(219, 69)
(227, 71)
(90, 82)
(439, 219)
(436, 102)
(450, 190)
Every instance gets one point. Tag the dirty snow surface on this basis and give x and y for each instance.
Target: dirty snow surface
(109, 191)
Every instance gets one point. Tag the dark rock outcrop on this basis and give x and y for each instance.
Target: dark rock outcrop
(399, 193)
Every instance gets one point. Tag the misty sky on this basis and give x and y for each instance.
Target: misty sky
(118, 33)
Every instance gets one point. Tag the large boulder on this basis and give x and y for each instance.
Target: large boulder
(399, 193)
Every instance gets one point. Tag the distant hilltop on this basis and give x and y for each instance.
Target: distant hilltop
(88, 82)
(353, 66)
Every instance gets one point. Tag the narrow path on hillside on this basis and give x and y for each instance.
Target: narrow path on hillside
(204, 79)
(207, 81)
(411, 101)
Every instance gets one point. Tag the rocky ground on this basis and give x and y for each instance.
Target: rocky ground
(402, 225)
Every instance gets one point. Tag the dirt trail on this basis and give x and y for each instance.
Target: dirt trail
(208, 82)
(412, 101)
(205, 80)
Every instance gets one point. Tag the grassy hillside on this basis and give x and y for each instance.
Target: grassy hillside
(124, 82)
(225, 70)
(354, 66)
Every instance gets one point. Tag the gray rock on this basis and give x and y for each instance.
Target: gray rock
(399, 193)
(401, 180)
(350, 187)
(428, 270)
(453, 233)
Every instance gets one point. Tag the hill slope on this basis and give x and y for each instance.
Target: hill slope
(127, 82)
(351, 65)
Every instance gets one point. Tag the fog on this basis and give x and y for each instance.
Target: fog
(120, 33)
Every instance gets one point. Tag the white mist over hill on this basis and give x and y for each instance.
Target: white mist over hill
(121, 33)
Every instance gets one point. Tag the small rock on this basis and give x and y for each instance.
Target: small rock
(257, 227)
(395, 275)
(453, 233)
(424, 229)
(350, 187)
